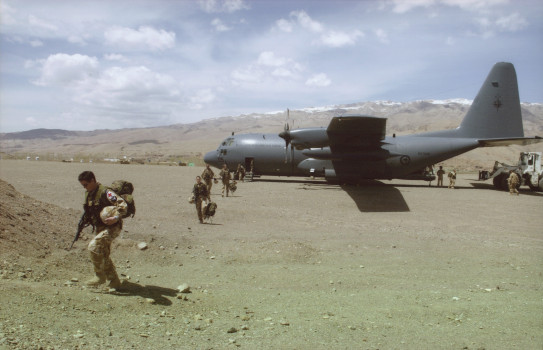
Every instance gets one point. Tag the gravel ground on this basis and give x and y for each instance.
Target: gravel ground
(288, 263)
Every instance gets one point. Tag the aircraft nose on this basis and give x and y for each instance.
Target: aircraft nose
(211, 158)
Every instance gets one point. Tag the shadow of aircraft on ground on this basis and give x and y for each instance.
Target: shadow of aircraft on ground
(370, 196)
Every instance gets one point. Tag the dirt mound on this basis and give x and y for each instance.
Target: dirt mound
(31, 228)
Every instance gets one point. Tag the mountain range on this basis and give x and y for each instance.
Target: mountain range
(188, 142)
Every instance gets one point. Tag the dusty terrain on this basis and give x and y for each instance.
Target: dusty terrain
(287, 263)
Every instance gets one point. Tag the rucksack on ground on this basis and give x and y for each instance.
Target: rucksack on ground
(125, 189)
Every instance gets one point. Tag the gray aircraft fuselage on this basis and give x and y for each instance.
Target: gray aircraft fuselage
(268, 154)
(354, 147)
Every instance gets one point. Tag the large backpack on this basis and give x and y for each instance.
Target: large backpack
(124, 189)
(210, 209)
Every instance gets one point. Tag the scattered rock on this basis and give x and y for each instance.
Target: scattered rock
(184, 288)
(232, 330)
(142, 246)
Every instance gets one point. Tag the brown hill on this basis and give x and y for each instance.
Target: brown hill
(189, 142)
(30, 227)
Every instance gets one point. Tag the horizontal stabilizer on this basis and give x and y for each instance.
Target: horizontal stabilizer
(512, 141)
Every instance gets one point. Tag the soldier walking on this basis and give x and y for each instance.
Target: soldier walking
(200, 194)
(104, 209)
(225, 177)
(208, 176)
(452, 178)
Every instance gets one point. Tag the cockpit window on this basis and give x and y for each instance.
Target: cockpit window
(228, 142)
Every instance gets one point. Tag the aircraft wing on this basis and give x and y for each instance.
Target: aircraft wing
(353, 133)
(511, 141)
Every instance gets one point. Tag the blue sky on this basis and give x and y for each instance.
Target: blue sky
(85, 65)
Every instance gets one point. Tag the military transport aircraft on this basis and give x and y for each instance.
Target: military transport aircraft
(354, 147)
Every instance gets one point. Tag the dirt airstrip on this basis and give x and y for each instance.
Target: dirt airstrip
(288, 263)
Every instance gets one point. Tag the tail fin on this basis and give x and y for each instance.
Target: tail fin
(495, 112)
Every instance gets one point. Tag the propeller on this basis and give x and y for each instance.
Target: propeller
(286, 136)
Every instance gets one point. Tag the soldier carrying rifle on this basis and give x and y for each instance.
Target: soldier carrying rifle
(104, 210)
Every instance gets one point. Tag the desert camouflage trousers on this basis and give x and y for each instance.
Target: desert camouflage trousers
(209, 184)
(100, 251)
(513, 188)
(200, 205)
(225, 187)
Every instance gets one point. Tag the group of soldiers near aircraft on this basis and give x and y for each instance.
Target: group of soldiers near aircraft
(202, 191)
(104, 209)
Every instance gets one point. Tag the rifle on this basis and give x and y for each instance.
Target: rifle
(83, 222)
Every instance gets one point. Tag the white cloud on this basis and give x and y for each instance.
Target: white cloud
(202, 97)
(219, 26)
(228, 6)
(403, 6)
(8, 14)
(283, 73)
(511, 23)
(246, 75)
(473, 5)
(267, 65)
(145, 38)
(269, 58)
(115, 57)
(284, 25)
(306, 22)
(488, 27)
(340, 39)
(64, 70)
(40, 24)
(318, 80)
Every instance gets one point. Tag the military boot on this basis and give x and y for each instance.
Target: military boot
(115, 283)
(96, 280)
(111, 274)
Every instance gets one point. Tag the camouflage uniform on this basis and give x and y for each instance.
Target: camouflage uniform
(225, 176)
(207, 176)
(513, 182)
(200, 194)
(240, 172)
(452, 178)
(100, 246)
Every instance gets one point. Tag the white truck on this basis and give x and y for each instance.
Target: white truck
(528, 170)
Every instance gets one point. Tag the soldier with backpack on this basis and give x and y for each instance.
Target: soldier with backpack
(225, 177)
(201, 194)
(208, 176)
(104, 210)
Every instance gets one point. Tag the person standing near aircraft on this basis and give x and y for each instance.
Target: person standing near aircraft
(452, 178)
(513, 182)
(104, 209)
(200, 194)
(208, 176)
(240, 172)
(440, 174)
(225, 176)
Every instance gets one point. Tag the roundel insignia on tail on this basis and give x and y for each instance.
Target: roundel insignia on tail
(497, 102)
(404, 160)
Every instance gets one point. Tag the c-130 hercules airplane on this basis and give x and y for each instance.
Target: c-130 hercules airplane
(354, 147)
